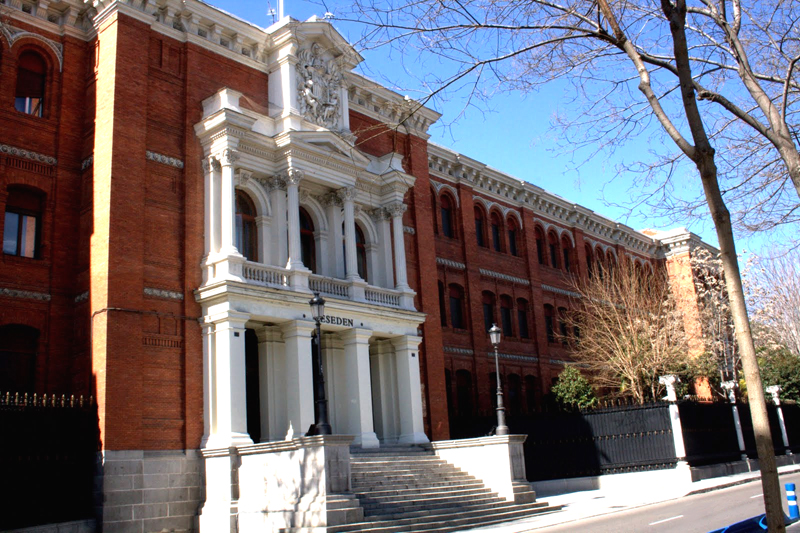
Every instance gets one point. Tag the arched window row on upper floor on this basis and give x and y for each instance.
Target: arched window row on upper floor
(554, 251)
(31, 83)
(492, 231)
(22, 222)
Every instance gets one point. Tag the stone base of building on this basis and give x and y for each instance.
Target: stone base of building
(149, 491)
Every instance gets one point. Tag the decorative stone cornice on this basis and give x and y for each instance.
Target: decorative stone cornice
(450, 263)
(26, 295)
(460, 351)
(563, 292)
(163, 293)
(505, 277)
(27, 154)
(164, 159)
(514, 357)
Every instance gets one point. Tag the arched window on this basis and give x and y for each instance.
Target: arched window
(512, 238)
(552, 246)
(31, 78)
(540, 245)
(18, 357)
(590, 267)
(549, 322)
(246, 230)
(522, 318)
(505, 315)
(514, 394)
(22, 222)
(456, 295)
(442, 310)
(566, 248)
(488, 301)
(562, 325)
(446, 208)
(308, 247)
(497, 229)
(361, 253)
(480, 227)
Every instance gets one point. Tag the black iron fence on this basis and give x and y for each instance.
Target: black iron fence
(709, 433)
(48, 453)
(791, 416)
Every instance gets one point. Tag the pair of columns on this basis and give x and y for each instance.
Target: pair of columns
(286, 400)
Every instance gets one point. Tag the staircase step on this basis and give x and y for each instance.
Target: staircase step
(407, 494)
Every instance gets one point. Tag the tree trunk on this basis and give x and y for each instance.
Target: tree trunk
(755, 391)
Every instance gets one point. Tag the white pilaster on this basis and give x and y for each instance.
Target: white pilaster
(293, 178)
(277, 200)
(227, 400)
(228, 203)
(385, 269)
(299, 397)
(409, 392)
(209, 350)
(333, 211)
(396, 210)
(272, 386)
(211, 205)
(384, 391)
(265, 250)
(358, 419)
(348, 196)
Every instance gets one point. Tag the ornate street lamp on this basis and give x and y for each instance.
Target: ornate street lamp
(321, 425)
(494, 337)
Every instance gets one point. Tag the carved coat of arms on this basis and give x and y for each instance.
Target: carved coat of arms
(318, 85)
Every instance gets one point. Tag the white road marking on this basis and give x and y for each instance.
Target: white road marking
(756, 496)
(665, 520)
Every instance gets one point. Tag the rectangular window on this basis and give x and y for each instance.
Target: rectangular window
(488, 316)
(479, 232)
(548, 324)
(566, 259)
(456, 317)
(447, 226)
(19, 235)
(553, 256)
(505, 318)
(522, 318)
(496, 237)
(512, 242)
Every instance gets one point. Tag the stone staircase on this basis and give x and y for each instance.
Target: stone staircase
(410, 489)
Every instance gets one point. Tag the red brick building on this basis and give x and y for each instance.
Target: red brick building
(176, 181)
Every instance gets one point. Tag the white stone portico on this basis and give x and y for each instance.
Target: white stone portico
(301, 158)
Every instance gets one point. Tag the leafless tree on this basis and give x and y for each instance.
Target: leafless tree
(713, 74)
(773, 289)
(631, 330)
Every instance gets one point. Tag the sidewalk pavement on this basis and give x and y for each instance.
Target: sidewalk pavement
(591, 503)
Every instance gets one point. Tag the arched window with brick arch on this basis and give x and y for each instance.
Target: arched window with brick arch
(496, 231)
(513, 233)
(540, 245)
(22, 222)
(590, 265)
(506, 309)
(246, 228)
(522, 318)
(456, 300)
(308, 246)
(480, 227)
(549, 322)
(18, 350)
(31, 83)
(448, 216)
(566, 254)
(488, 302)
(553, 248)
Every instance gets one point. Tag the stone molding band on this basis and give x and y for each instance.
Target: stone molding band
(27, 154)
(27, 295)
(164, 159)
(163, 293)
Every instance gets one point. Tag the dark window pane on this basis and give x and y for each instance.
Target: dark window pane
(10, 233)
(456, 316)
(505, 318)
(522, 318)
(566, 259)
(540, 250)
(548, 324)
(479, 232)
(496, 238)
(553, 255)
(488, 316)
(512, 242)
(447, 222)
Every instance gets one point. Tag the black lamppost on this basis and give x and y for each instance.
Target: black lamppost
(494, 337)
(321, 425)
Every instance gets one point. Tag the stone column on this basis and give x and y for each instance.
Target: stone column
(209, 350)
(333, 211)
(293, 178)
(775, 391)
(299, 399)
(675, 418)
(277, 199)
(385, 270)
(228, 203)
(358, 419)
(730, 388)
(212, 205)
(409, 392)
(227, 400)
(348, 195)
(396, 210)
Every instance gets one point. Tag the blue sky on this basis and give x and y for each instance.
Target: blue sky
(514, 134)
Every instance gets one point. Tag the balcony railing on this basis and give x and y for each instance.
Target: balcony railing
(281, 278)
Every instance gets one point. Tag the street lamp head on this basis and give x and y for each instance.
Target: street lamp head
(317, 304)
(494, 334)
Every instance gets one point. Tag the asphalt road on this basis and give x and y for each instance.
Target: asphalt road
(698, 513)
